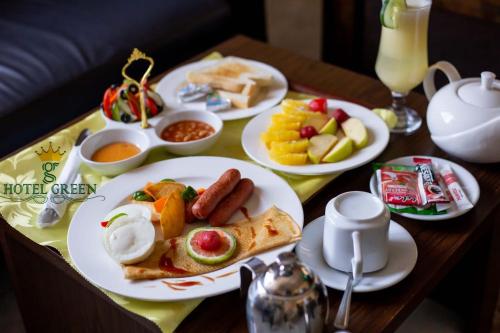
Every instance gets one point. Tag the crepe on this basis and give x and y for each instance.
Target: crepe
(271, 229)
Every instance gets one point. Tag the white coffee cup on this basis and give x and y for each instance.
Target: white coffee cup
(356, 231)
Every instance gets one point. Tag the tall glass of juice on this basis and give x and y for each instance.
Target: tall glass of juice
(402, 55)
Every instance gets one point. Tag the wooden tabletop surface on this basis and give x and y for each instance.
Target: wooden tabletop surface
(440, 244)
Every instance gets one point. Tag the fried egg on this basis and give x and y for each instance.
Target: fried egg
(129, 238)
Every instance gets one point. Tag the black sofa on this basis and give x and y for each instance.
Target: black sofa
(58, 56)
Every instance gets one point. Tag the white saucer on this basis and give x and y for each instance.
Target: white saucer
(466, 179)
(402, 259)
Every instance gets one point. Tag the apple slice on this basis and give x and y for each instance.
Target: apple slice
(330, 127)
(354, 129)
(317, 121)
(340, 115)
(340, 151)
(319, 145)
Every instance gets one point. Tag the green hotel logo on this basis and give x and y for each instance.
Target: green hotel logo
(38, 192)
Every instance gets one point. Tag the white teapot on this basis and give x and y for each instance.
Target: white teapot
(464, 116)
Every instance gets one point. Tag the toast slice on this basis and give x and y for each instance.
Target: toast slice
(238, 100)
(216, 81)
(230, 74)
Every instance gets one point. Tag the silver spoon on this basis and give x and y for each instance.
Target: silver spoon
(342, 318)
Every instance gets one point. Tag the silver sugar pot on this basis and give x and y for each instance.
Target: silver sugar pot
(285, 296)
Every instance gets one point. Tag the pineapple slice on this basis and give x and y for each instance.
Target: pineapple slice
(294, 126)
(294, 103)
(290, 158)
(285, 135)
(299, 146)
(281, 117)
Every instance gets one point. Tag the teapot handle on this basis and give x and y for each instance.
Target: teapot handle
(448, 69)
(249, 271)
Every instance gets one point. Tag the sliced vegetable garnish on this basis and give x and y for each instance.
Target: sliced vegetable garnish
(189, 194)
(141, 196)
(167, 180)
(114, 218)
(389, 12)
(160, 203)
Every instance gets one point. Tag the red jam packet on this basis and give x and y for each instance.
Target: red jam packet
(398, 185)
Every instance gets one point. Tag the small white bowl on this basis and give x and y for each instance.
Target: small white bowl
(195, 146)
(92, 143)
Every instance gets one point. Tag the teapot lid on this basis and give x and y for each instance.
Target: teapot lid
(484, 93)
(287, 276)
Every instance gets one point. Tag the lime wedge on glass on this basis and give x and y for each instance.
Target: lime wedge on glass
(389, 11)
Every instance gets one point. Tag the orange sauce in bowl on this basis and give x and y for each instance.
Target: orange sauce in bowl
(115, 151)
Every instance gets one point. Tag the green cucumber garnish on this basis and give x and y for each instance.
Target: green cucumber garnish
(206, 257)
(389, 12)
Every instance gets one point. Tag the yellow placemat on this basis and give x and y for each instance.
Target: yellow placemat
(25, 168)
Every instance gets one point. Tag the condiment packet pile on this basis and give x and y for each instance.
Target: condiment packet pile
(424, 188)
(195, 92)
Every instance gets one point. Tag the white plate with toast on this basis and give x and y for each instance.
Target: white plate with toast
(268, 86)
(85, 234)
(378, 138)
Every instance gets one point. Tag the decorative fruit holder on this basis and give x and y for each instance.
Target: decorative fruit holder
(133, 100)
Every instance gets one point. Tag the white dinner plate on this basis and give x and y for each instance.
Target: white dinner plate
(402, 259)
(268, 97)
(467, 181)
(85, 232)
(377, 131)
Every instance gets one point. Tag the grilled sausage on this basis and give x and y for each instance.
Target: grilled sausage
(189, 217)
(215, 193)
(230, 204)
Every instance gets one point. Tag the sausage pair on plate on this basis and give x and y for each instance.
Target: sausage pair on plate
(223, 198)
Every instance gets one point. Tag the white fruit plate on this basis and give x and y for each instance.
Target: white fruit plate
(378, 138)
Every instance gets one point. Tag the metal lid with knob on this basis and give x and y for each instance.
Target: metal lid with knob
(287, 276)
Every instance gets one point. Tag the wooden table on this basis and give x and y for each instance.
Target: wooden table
(458, 260)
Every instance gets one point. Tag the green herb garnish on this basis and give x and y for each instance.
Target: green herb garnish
(142, 196)
(114, 218)
(168, 180)
(189, 194)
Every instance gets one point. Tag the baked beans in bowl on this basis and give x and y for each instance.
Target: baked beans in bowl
(189, 132)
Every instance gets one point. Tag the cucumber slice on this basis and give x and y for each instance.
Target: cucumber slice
(388, 13)
(208, 258)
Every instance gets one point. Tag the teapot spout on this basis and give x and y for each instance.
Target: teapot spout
(249, 271)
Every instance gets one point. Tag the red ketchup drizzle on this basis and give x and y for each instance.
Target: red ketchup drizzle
(271, 230)
(167, 265)
(187, 283)
(173, 244)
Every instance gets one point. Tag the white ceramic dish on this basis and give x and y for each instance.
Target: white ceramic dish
(85, 233)
(402, 259)
(170, 84)
(377, 131)
(466, 179)
(146, 139)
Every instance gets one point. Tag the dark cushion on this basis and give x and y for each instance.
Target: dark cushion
(45, 43)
